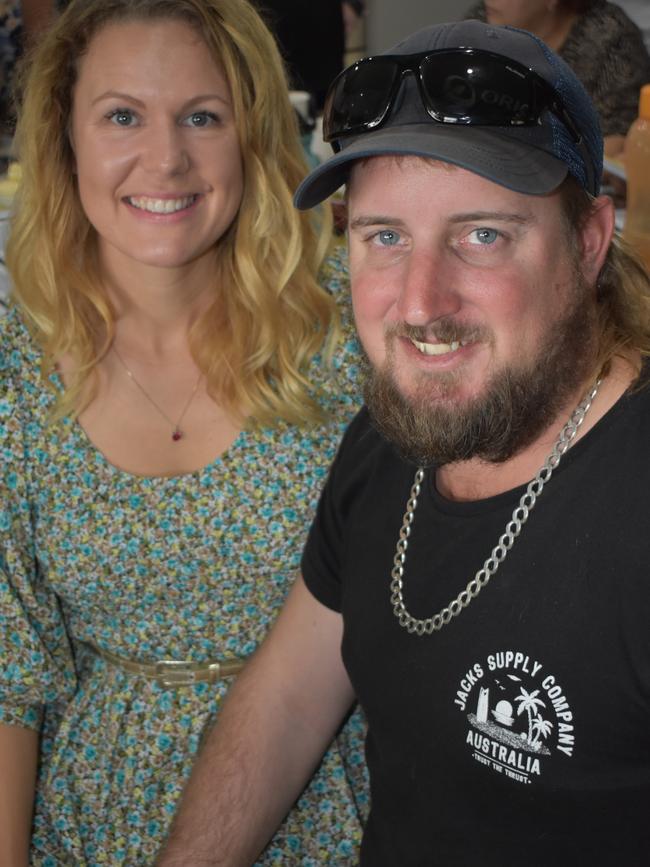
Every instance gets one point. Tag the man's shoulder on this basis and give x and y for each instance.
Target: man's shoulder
(636, 401)
(366, 461)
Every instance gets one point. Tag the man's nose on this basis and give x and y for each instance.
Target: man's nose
(427, 293)
(165, 151)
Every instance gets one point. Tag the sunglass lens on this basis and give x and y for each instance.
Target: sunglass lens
(466, 88)
(360, 97)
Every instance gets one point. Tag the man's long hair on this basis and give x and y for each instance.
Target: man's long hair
(623, 290)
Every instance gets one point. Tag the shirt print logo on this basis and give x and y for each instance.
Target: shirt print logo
(518, 715)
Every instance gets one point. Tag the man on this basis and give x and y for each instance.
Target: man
(477, 571)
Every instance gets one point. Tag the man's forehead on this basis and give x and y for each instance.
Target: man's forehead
(395, 163)
(397, 183)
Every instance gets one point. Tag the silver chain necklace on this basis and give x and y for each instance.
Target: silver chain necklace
(177, 431)
(505, 543)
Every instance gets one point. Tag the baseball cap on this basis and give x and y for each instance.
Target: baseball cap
(532, 158)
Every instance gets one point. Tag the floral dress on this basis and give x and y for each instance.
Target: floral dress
(192, 567)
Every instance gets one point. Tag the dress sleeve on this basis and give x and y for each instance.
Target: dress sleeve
(36, 664)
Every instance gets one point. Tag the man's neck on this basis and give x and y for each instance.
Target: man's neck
(477, 479)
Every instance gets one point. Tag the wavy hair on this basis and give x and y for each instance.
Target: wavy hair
(623, 290)
(269, 315)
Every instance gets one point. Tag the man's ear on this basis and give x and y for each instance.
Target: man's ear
(596, 237)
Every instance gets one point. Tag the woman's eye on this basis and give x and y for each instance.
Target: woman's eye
(484, 236)
(201, 119)
(122, 117)
(387, 238)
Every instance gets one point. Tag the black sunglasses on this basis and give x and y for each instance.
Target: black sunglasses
(456, 85)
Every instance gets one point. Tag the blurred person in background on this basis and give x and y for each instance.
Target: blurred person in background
(19, 24)
(639, 12)
(597, 39)
(167, 416)
(311, 39)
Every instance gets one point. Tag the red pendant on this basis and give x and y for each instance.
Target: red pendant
(177, 435)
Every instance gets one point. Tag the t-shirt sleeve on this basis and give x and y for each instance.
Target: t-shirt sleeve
(36, 664)
(321, 559)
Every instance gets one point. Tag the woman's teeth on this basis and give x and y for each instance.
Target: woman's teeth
(436, 348)
(160, 206)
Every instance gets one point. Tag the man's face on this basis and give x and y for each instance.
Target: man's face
(466, 297)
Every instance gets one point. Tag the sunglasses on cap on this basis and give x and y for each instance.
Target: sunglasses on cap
(456, 85)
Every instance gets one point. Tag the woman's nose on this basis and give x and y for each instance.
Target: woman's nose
(165, 150)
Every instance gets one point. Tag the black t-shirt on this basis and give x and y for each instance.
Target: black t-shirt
(520, 733)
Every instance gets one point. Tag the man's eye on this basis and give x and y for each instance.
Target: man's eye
(484, 236)
(388, 238)
(122, 117)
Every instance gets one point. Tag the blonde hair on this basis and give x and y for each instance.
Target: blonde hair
(269, 316)
(623, 291)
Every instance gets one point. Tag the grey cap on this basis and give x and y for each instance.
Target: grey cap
(527, 159)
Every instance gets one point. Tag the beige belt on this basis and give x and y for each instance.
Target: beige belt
(172, 672)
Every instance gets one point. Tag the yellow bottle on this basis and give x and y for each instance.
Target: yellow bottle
(637, 168)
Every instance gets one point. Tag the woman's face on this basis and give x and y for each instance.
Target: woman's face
(157, 154)
(526, 14)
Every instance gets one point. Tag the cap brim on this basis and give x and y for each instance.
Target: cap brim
(507, 161)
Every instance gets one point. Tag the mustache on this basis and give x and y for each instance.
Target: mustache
(445, 330)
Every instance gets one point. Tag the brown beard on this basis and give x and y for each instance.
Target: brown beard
(518, 404)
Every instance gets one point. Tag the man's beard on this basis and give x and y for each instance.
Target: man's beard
(518, 403)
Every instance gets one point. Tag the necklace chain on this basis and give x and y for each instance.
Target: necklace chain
(506, 541)
(177, 432)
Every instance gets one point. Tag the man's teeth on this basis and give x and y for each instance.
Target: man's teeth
(161, 206)
(436, 348)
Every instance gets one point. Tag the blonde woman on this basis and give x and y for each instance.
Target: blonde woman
(167, 415)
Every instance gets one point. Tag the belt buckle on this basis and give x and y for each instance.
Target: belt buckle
(172, 672)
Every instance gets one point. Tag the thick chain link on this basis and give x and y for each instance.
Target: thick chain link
(499, 552)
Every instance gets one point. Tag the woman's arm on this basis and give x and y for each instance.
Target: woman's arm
(18, 756)
(278, 719)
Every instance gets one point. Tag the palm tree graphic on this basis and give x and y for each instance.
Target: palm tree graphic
(529, 703)
(542, 728)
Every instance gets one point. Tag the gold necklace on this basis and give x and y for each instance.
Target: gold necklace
(177, 433)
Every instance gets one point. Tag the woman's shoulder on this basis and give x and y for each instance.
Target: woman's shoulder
(342, 375)
(20, 358)
(17, 346)
(334, 274)
(335, 278)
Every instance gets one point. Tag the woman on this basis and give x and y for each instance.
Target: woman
(598, 41)
(166, 420)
